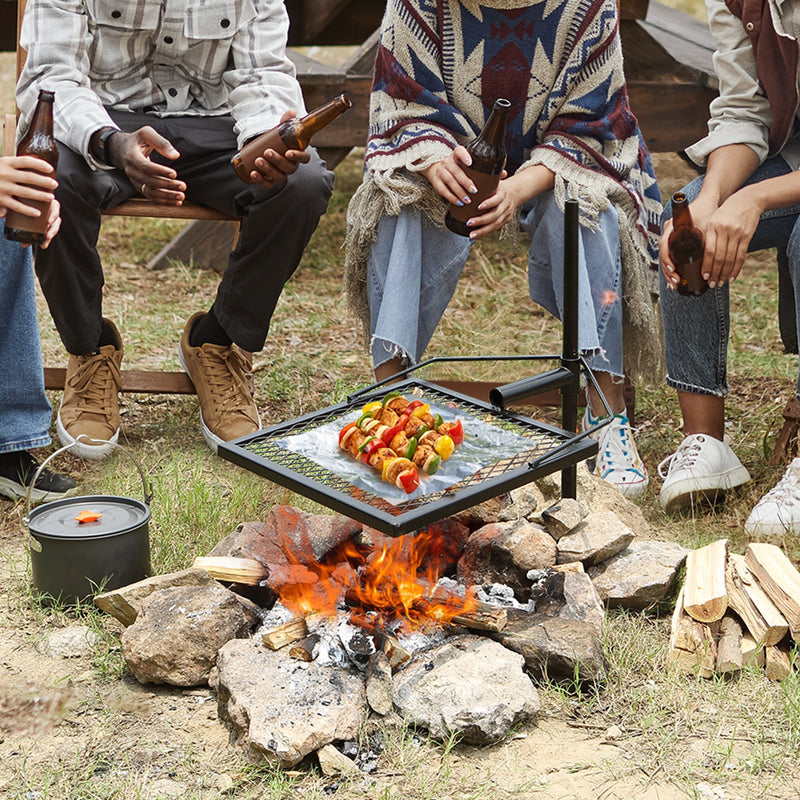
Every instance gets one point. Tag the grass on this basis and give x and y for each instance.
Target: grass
(675, 729)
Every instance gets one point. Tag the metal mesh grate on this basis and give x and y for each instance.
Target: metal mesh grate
(263, 453)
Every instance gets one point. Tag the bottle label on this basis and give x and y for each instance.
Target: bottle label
(486, 185)
(244, 162)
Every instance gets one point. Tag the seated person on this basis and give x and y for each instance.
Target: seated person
(748, 199)
(25, 411)
(153, 99)
(571, 134)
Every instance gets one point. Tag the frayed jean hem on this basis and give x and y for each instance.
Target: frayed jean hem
(680, 386)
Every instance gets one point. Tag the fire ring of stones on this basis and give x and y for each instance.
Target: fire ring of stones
(304, 624)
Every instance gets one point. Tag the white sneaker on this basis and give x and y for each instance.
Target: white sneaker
(618, 461)
(702, 465)
(778, 511)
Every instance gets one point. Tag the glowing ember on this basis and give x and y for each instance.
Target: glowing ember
(396, 581)
(609, 297)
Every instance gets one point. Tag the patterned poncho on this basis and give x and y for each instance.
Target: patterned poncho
(440, 66)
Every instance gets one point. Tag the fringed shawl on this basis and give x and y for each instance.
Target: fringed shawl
(440, 66)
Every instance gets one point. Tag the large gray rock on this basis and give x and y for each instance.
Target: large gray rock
(640, 576)
(599, 495)
(178, 631)
(281, 709)
(562, 517)
(601, 535)
(571, 595)
(468, 686)
(554, 647)
(504, 552)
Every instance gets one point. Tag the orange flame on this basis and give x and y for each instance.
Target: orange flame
(397, 580)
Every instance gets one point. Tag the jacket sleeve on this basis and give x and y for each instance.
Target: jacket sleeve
(56, 37)
(262, 80)
(740, 114)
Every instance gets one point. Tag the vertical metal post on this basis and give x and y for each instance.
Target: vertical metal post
(569, 353)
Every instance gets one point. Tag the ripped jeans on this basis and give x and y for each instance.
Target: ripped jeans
(414, 267)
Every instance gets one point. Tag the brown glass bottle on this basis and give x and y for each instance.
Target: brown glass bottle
(686, 248)
(294, 134)
(39, 141)
(488, 151)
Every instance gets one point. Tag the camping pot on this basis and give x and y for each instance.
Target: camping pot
(81, 545)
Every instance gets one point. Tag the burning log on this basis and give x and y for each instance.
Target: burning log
(747, 598)
(307, 649)
(780, 580)
(246, 571)
(385, 643)
(705, 595)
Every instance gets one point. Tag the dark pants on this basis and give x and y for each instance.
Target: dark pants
(276, 227)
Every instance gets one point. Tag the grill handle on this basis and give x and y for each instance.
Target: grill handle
(510, 393)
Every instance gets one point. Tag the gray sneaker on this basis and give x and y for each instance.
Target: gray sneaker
(702, 466)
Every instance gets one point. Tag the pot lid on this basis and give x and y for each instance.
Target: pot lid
(88, 517)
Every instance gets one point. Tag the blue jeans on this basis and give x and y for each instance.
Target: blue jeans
(696, 329)
(414, 267)
(25, 412)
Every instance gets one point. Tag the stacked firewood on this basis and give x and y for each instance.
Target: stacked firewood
(737, 610)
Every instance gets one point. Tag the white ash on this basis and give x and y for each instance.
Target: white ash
(275, 616)
(498, 594)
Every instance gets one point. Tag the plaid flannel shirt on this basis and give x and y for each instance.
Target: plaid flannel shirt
(166, 57)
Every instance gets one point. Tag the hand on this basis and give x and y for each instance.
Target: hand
(449, 179)
(728, 236)
(157, 182)
(25, 178)
(53, 223)
(701, 210)
(497, 210)
(272, 169)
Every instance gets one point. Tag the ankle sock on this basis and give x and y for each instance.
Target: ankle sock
(207, 330)
(107, 336)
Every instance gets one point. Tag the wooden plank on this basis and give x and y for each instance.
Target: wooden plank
(9, 132)
(133, 381)
(333, 22)
(204, 243)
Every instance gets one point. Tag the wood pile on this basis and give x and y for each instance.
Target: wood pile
(737, 610)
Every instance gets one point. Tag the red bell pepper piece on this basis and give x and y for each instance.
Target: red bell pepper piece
(409, 480)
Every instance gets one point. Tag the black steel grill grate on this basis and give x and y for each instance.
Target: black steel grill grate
(549, 449)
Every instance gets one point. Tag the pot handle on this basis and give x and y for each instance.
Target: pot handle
(146, 488)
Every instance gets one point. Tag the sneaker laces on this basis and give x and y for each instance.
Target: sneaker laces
(786, 491)
(617, 448)
(226, 375)
(95, 381)
(683, 458)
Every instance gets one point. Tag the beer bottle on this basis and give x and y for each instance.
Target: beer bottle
(488, 153)
(39, 141)
(686, 248)
(294, 134)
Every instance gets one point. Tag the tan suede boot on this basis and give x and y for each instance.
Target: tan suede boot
(90, 403)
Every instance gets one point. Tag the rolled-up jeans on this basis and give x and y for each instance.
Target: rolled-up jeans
(696, 329)
(414, 267)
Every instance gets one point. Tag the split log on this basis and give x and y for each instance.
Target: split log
(752, 651)
(292, 631)
(778, 666)
(780, 580)
(692, 645)
(247, 571)
(396, 654)
(307, 649)
(729, 646)
(705, 595)
(748, 599)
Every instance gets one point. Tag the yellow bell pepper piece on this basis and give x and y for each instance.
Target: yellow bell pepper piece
(444, 446)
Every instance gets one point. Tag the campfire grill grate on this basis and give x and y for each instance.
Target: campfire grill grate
(550, 449)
